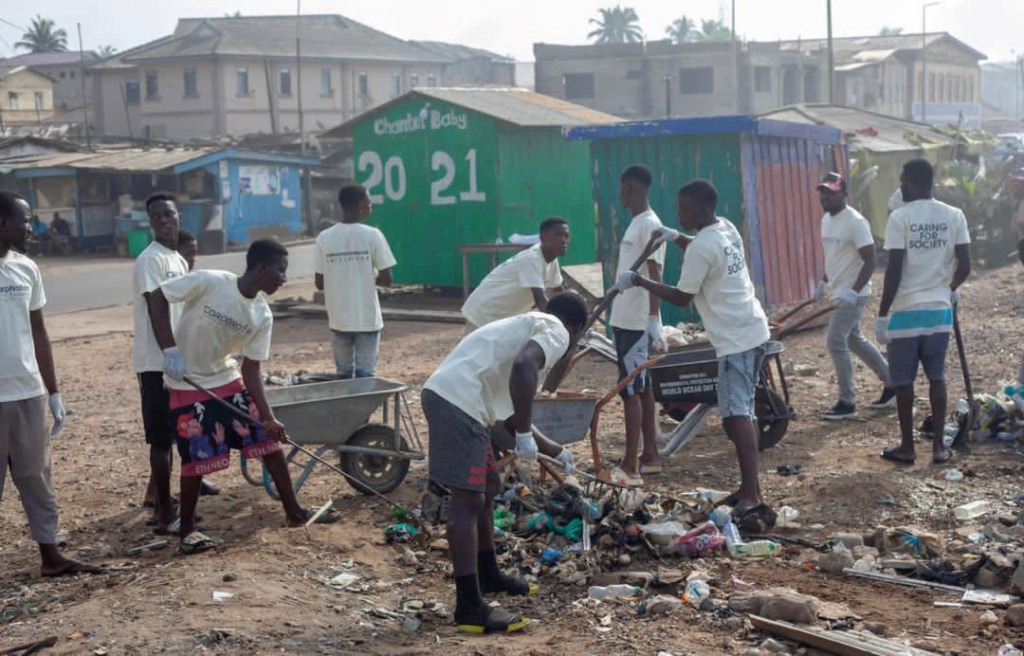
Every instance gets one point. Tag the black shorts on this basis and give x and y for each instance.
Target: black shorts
(461, 455)
(631, 347)
(156, 409)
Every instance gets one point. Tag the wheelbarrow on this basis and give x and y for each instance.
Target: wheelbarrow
(334, 415)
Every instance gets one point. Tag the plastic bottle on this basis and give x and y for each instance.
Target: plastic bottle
(1016, 395)
(613, 591)
(786, 516)
(696, 592)
(721, 516)
(972, 510)
(755, 548)
(732, 535)
(1009, 650)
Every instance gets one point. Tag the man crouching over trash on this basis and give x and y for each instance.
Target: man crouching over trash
(491, 376)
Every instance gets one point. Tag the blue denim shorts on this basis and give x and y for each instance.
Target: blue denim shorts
(906, 352)
(737, 382)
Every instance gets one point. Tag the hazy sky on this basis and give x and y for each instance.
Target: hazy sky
(995, 27)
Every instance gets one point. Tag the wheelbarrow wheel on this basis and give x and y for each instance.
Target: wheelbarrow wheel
(375, 473)
(772, 418)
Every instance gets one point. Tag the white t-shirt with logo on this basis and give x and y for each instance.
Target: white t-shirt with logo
(21, 292)
(216, 322)
(507, 290)
(631, 308)
(154, 266)
(715, 273)
(842, 236)
(349, 255)
(929, 231)
(475, 376)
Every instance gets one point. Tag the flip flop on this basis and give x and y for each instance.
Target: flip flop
(197, 543)
(620, 477)
(209, 489)
(173, 528)
(893, 456)
(643, 469)
(72, 567)
(950, 457)
(498, 620)
(756, 519)
(515, 587)
(332, 516)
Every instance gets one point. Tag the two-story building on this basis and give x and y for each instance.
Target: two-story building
(26, 96)
(65, 68)
(234, 76)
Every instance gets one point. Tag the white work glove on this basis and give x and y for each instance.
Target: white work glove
(847, 296)
(655, 339)
(174, 363)
(882, 330)
(526, 446)
(954, 297)
(664, 235)
(58, 412)
(568, 462)
(819, 293)
(625, 280)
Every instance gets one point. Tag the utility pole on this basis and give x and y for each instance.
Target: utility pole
(306, 180)
(85, 102)
(831, 58)
(924, 60)
(734, 20)
(1018, 80)
(668, 96)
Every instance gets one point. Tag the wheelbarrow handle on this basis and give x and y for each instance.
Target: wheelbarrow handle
(244, 416)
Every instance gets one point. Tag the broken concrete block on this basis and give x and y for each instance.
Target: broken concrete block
(835, 562)
(747, 602)
(850, 540)
(662, 605)
(789, 606)
(1015, 615)
(863, 550)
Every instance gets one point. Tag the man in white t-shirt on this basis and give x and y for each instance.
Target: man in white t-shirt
(28, 383)
(157, 264)
(491, 378)
(849, 249)
(636, 328)
(715, 278)
(522, 281)
(223, 314)
(929, 258)
(351, 259)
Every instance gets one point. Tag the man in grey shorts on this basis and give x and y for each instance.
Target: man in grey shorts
(925, 238)
(715, 278)
(491, 377)
(28, 384)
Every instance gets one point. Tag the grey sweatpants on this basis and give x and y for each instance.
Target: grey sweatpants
(25, 450)
(844, 337)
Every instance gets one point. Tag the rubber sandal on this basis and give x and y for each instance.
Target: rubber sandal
(515, 587)
(643, 469)
(197, 543)
(498, 620)
(71, 568)
(208, 489)
(893, 456)
(756, 519)
(620, 477)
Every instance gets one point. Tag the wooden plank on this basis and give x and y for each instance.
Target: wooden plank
(844, 643)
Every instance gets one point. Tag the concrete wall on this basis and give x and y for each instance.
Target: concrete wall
(21, 108)
(67, 87)
(110, 116)
(882, 88)
(956, 87)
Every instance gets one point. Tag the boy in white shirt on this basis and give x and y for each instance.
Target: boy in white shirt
(491, 377)
(929, 258)
(28, 383)
(636, 328)
(351, 259)
(715, 278)
(223, 314)
(522, 281)
(849, 249)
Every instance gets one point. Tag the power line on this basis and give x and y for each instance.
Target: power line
(17, 27)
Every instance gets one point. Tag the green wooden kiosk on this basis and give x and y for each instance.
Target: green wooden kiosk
(466, 167)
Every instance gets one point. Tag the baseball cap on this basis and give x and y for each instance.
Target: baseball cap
(833, 182)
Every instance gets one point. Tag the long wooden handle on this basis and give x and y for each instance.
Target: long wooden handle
(561, 368)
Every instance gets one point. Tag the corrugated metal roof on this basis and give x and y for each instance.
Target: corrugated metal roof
(458, 52)
(519, 107)
(864, 130)
(49, 58)
(120, 160)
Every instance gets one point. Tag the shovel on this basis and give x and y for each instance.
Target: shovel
(961, 441)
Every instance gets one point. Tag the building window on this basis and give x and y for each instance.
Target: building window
(414, 80)
(12, 99)
(694, 81)
(431, 80)
(762, 79)
(364, 84)
(63, 75)
(579, 86)
(286, 82)
(634, 74)
(396, 84)
(132, 93)
(71, 74)
(39, 99)
(325, 83)
(242, 82)
(152, 88)
(191, 88)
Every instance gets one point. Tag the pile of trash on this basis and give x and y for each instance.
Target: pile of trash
(683, 334)
(999, 416)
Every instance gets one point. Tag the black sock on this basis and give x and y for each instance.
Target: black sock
(492, 580)
(468, 600)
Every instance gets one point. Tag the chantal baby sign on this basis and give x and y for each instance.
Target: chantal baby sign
(427, 119)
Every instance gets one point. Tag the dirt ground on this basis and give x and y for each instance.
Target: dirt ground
(162, 602)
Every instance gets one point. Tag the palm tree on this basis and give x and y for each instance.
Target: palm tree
(42, 37)
(617, 25)
(106, 51)
(237, 14)
(682, 30)
(714, 30)
(890, 31)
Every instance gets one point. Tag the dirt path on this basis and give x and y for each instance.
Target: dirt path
(160, 601)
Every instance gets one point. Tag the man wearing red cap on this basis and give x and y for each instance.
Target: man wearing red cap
(849, 263)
